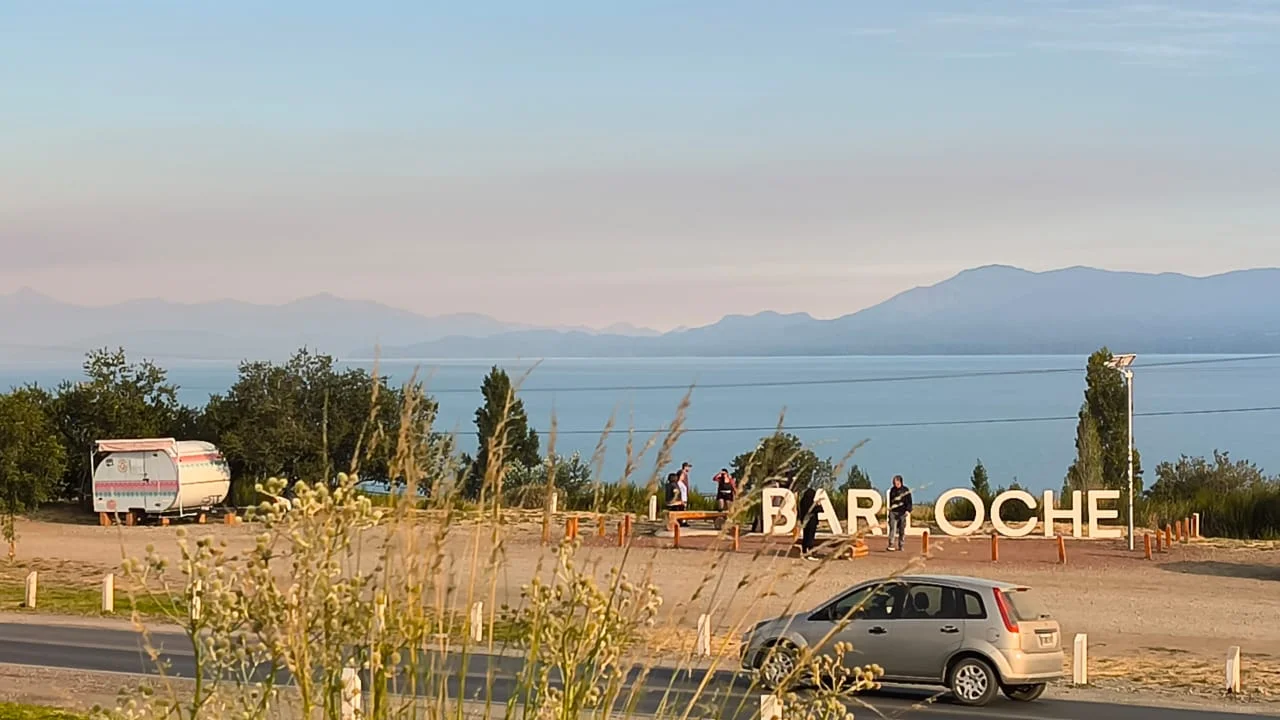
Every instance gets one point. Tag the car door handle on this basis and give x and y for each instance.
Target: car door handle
(950, 629)
(877, 630)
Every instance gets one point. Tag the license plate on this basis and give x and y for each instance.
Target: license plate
(1047, 639)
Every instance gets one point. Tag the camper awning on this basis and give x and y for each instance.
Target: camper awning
(168, 445)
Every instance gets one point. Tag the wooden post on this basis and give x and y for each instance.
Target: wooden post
(109, 593)
(130, 520)
(924, 543)
(675, 534)
(1146, 545)
(995, 548)
(1177, 530)
(164, 522)
(626, 520)
(571, 527)
(1080, 660)
(229, 518)
(1233, 670)
(622, 533)
(1062, 550)
(33, 582)
(736, 541)
(600, 526)
(1186, 530)
(1168, 537)
(1159, 544)
(104, 519)
(201, 519)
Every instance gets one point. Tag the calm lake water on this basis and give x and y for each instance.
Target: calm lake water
(833, 416)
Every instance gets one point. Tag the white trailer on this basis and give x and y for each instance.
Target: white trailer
(158, 476)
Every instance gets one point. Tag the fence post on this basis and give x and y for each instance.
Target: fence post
(352, 694)
(1159, 545)
(109, 593)
(622, 533)
(1080, 660)
(600, 529)
(626, 520)
(1195, 525)
(477, 622)
(995, 548)
(32, 586)
(1062, 550)
(924, 543)
(770, 707)
(653, 508)
(736, 540)
(1146, 545)
(704, 635)
(555, 500)
(1233, 670)
(1168, 537)
(675, 534)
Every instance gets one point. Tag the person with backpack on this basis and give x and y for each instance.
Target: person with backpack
(677, 494)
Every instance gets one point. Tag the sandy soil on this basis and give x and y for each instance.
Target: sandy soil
(1169, 620)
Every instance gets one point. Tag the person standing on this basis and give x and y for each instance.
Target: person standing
(899, 511)
(807, 513)
(726, 489)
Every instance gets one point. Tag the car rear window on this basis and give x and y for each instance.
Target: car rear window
(1025, 605)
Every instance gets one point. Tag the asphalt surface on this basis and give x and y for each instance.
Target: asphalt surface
(727, 695)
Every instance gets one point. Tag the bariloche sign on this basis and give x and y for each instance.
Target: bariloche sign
(864, 505)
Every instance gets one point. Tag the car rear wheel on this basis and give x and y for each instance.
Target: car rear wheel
(1024, 693)
(779, 663)
(973, 682)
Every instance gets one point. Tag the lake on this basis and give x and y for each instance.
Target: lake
(926, 418)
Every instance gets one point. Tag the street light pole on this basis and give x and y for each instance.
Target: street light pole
(1124, 363)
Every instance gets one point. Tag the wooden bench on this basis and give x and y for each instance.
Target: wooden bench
(716, 517)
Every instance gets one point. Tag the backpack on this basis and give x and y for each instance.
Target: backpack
(673, 488)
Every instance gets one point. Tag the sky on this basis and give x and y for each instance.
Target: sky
(659, 163)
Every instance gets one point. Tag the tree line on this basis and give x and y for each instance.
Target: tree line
(309, 417)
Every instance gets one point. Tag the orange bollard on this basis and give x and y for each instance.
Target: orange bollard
(229, 519)
(924, 543)
(1146, 545)
(164, 522)
(571, 527)
(1186, 530)
(600, 526)
(1062, 550)
(622, 533)
(995, 548)
(626, 523)
(104, 519)
(1168, 537)
(675, 535)
(1159, 545)
(1177, 530)
(735, 538)
(129, 519)
(201, 519)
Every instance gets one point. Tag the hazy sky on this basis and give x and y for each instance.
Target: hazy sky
(656, 162)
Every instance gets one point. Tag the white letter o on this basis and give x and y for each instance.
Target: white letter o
(1000, 525)
(940, 512)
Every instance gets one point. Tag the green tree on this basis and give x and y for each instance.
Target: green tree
(305, 419)
(526, 486)
(502, 432)
(1014, 512)
(1086, 472)
(118, 399)
(32, 458)
(784, 459)
(961, 509)
(1191, 477)
(1106, 403)
(856, 479)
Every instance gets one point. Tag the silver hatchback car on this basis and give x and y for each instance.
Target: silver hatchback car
(973, 636)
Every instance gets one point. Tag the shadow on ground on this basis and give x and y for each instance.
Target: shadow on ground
(1248, 571)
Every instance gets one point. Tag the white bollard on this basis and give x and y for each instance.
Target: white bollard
(1080, 660)
(477, 622)
(1195, 525)
(704, 636)
(109, 593)
(555, 500)
(770, 707)
(32, 583)
(1233, 670)
(352, 694)
(653, 508)
(195, 601)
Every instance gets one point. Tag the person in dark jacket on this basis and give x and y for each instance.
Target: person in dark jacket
(807, 513)
(899, 511)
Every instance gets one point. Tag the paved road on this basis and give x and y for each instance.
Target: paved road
(730, 694)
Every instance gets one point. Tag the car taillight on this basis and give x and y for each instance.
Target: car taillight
(1003, 604)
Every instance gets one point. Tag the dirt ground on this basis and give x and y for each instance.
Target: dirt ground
(1168, 621)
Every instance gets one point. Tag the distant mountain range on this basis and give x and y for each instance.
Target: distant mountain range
(988, 310)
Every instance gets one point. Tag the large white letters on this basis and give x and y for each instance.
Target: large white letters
(1001, 526)
(1051, 514)
(857, 512)
(1095, 514)
(940, 514)
(772, 509)
(827, 511)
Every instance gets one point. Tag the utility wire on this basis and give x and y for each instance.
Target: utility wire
(932, 423)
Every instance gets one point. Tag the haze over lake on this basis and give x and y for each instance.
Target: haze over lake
(725, 421)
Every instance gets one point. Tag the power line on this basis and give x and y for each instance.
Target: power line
(930, 423)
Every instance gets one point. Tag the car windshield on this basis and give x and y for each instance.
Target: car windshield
(1025, 605)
